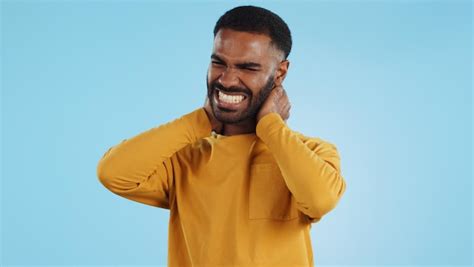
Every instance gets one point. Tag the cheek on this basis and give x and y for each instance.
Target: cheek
(254, 82)
(212, 75)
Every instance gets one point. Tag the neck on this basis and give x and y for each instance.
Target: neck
(244, 127)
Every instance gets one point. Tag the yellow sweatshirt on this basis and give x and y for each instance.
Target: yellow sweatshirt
(245, 200)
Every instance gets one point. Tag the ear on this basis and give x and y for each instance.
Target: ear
(281, 71)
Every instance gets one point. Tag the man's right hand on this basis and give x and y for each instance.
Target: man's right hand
(217, 126)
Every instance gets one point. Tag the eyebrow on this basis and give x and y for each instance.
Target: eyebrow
(240, 65)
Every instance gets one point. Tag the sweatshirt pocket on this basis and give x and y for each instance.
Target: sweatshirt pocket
(269, 197)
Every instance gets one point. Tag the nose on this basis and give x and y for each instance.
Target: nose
(229, 77)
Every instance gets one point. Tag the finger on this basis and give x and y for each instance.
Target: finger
(279, 90)
(287, 109)
(286, 112)
(277, 86)
(283, 100)
(285, 96)
(274, 92)
(282, 91)
(285, 116)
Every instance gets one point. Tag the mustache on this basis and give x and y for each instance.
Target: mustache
(233, 89)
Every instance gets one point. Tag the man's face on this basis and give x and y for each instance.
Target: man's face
(241, 74)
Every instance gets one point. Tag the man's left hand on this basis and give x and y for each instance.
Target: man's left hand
(276, 102)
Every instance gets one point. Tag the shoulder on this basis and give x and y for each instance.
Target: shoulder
(194, 153)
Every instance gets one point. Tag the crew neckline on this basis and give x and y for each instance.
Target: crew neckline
(235, 136)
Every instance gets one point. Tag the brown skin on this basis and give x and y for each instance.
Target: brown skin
(232, 49)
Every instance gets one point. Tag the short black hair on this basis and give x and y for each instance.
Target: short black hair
(257, 20)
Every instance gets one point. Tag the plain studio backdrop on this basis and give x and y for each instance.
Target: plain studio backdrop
(388, 82)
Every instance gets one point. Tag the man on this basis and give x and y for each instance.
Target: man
(241, 186)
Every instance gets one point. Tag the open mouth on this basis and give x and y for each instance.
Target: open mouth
(227, 101)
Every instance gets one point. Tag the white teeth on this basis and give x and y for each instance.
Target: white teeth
(230, 98)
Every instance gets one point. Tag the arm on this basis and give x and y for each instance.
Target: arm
(310, 166)
(140, 168)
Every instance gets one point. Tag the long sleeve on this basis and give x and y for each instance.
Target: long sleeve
(310, 166)
(140, 168)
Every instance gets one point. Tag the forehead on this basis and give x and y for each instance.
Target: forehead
(237, 45)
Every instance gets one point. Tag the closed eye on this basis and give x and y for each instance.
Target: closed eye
(250, 69)
(249, 66)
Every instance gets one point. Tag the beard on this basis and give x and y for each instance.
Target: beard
(236, 116)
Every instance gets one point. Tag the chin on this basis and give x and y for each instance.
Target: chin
(227, 117)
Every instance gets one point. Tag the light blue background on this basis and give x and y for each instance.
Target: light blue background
(388, 82)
